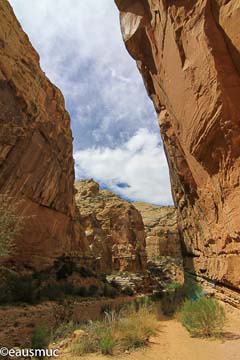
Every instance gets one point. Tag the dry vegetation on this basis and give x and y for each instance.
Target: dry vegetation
(116, 333)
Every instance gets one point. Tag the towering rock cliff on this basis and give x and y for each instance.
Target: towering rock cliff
(161, 230)
(36, 163)
(113, 228)
(188, 52)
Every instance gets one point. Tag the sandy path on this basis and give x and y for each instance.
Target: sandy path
(174, 343)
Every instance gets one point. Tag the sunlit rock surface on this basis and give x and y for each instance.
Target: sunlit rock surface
(36, 162)
(113, 228)
(188, 53)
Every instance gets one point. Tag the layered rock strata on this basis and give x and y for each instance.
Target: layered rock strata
(113, 228)
(36, 162)
(188, 53)
(161, 231)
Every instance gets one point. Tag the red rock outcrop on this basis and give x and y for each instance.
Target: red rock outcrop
(188, 53)
(36, 162)
(113, 228)
(161, 230)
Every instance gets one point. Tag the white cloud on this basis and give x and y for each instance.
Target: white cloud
(139, 166)
(82, 52)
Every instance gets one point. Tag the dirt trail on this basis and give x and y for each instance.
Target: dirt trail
(174, 343)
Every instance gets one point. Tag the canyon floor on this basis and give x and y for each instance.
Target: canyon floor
(174, 343)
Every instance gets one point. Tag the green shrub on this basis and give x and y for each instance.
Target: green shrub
(204, 317)
(106, 343)
(92, 290)
(116, 285)
(21, 288)
(109, 291)
(40, 337)
(172, 286)
(128, 291)
(84, 272)
(81, 291)
(176, 294)
(53, 291)
(64, 267)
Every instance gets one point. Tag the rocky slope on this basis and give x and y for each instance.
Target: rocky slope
(188, 53)
(113, 228)
(160, 223)
(36, 163)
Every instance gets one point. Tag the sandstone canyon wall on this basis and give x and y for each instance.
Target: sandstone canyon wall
(161, 230)
(113, 228)
(188, 52)
(36, 163)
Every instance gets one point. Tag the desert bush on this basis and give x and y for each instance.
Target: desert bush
(81, 291)
(64, 267)
(11, 224)
(117, 332)
(84, 272)
(52, 291)
(86, 344)
(21, 288)
(109, 291)
(64, 330)
(40, 337)
(204, 317)
(135, 328)
(116, 285)
(176, 294)
(92, 290)
(107, 342)
(172, 286)
(128, 291)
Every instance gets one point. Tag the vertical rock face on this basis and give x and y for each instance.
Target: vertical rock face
(36, 163)
(113, 228)
(161, 231)
(188, 53)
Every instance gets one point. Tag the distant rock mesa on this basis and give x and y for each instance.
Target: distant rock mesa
(188, 53)
(113, 228)
(161, 231)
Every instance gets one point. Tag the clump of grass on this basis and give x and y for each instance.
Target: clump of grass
(204, 317)
(85, 344)
(64, 330)
(106, 340)
(40, 337)
(135, 328)
(117, 333)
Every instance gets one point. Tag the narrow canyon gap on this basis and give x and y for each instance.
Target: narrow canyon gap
(188, 53)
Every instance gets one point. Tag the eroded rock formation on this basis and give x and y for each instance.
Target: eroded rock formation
(113, 227)
(188, 53)
(36, 163)
(161, 231)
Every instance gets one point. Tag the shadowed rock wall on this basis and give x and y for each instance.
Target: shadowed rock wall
(188, 53)
(36, 163)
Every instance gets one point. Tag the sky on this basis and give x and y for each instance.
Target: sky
(116, 135)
